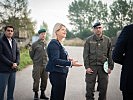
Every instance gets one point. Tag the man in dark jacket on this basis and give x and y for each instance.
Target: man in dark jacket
(39, 57)
(9, 60)
(123, 54)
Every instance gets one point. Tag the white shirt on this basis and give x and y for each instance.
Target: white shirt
(10, 42)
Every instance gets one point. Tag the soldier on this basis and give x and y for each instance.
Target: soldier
(39, 58)
(97, 49)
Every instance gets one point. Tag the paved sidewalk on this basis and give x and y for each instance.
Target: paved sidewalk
(75, 82)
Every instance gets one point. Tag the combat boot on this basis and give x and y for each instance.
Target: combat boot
(43, 96)
(36, 96)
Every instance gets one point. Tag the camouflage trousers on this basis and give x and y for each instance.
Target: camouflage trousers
(40, 76)
(90, 79)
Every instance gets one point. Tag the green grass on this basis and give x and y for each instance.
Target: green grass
(25, 59)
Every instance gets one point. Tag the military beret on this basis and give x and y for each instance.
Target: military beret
(96, 24)
(41, 31)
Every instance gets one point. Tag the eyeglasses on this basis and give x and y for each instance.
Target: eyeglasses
(9, 30)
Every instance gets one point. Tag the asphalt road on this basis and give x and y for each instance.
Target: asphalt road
(75, 82)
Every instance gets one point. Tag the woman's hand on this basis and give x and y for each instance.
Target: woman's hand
(76, 64)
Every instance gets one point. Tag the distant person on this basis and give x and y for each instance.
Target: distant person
(97, 50)
(59, 63)
(9, 61)
(123, 54)
(39, 57)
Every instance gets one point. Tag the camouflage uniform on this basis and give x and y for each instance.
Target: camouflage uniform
(96, 52)
(39, 57)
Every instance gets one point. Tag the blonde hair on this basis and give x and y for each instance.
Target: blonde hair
(56, 28)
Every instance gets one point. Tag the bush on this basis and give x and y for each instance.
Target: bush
(24, 58)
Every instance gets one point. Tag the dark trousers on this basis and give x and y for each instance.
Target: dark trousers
(58, 81)
(7, 79)
(127, 96)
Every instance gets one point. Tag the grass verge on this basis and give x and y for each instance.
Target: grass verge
(25, 59)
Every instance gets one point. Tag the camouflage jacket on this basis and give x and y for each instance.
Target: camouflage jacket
(97, 51)
(38, 53)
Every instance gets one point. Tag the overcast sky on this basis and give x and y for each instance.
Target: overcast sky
(51, 12)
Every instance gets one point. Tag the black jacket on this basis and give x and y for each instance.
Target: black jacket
(8, 55)
(58, 58)
(123, 54)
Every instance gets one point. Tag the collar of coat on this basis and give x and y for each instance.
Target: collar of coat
(98, 38)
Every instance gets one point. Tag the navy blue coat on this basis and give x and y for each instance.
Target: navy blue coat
(57, 58)
(123, 54)
(8, 55)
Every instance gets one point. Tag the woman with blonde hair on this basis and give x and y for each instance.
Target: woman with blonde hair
(59, 63)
